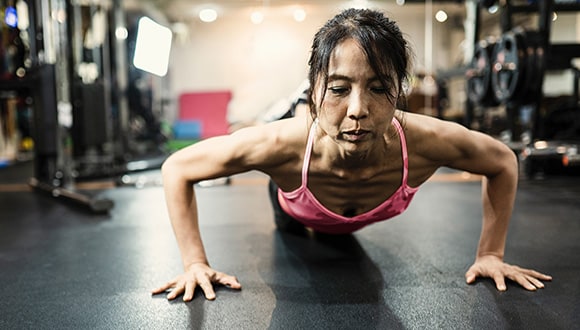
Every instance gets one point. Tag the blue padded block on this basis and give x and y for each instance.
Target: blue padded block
(187, 129)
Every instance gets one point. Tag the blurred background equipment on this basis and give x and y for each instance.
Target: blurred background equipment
(68, 100)
(511, 73)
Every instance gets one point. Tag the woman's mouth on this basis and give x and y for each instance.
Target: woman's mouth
(355, 135)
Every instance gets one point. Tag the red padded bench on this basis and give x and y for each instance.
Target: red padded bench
(205, 112)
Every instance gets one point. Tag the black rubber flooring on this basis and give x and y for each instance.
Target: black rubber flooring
(64, 268)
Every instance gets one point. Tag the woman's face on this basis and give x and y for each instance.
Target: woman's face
(355, 111)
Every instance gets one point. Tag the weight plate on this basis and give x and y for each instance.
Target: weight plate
(508, 67)
(478, 74)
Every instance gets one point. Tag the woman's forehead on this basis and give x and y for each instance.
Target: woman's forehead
(346, 49)
(348, 58)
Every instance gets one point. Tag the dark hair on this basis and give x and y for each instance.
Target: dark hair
(386, 49)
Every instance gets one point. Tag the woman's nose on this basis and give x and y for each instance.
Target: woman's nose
(357, 106)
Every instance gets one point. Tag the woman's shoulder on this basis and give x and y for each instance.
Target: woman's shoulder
(282, 133)
(433, 137)
(275, 142)
(421, 127)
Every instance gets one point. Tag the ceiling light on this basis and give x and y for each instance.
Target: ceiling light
(121, 33)
(208, 15)
(299, 15)
(257, 17)
(441, 16)
(152, 47)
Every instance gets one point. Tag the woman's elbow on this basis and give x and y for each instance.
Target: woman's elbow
(508, 163)
(171, 167)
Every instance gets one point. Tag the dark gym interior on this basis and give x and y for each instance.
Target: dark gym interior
(86, 123)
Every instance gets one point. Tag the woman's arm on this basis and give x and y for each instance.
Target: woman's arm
(499, 166)
(182, 208)
(180, 172)
(216, 157)
(455, 146)
(498, 195)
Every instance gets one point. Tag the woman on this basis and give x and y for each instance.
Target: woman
(354, 161)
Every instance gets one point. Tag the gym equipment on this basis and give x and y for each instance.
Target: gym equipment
(96, 205)
(508, 67)
(520, 56)
(519, 61)
(508, 72)
(478, 74)
(555, 149)
(80, 108)
(45, 82)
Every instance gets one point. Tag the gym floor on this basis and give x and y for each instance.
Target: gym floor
(62, 267)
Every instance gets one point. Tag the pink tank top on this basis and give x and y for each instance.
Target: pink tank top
(301, 204)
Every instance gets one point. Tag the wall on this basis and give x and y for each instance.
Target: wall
(259, 63)
(263, 63)
(563, 31)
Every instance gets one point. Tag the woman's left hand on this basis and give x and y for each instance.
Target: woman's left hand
(494, 268)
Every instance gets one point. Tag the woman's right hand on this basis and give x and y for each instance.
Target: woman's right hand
(197, 274)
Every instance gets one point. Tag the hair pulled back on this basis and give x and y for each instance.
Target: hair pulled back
(387, 51)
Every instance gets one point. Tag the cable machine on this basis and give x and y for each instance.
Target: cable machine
(57, 111)
(57, 81)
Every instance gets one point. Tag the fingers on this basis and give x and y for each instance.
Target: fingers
(205, 280)
(529, 279)
(189, 290)
(470, 276)
(219, 278)
(208, 291)
(528, 282)
(535, 282)
(176, 285)
(227, 280)
(537, 275)
(499, 280)
(163, 288)
(179, 289)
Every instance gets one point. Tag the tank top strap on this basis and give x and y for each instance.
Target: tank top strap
(310, 143)
(404, 152)
(308, 152)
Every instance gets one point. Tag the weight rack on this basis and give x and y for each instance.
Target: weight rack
(510, 71)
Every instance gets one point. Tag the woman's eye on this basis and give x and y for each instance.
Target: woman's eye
(378, 90)
(338, 90)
